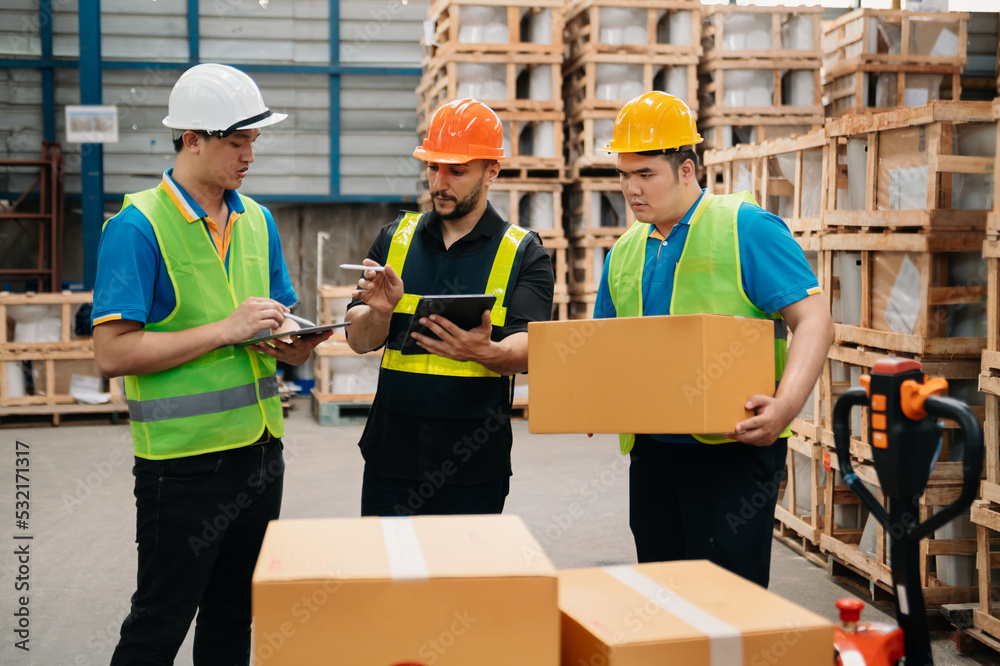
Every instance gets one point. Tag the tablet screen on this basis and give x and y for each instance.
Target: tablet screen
(298, 333)
(463, 310)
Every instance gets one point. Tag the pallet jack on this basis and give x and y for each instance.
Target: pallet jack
(905, 435)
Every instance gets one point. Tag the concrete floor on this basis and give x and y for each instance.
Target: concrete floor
(83, 557)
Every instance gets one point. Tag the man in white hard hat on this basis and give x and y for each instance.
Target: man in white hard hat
(186, 271)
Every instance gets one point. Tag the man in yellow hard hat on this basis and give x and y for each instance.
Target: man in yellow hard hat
(698, 496)
(438, 438)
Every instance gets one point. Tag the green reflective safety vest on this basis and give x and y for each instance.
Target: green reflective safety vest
(496, 283)
(223, 399)
(707, 279)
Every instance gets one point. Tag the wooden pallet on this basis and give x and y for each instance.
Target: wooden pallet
(581, 306)
(652, 25)
(993, 219)
(722, 98)
(53, 362)
(749, 33)
(323, 369)
(906, 160)
(986, 619)
(504, 82)
(783, 175)
(66, 303)
(843, 544)
(863, 36)
(844, 365)
(347, 411)
(597, 208)
(871, 87)
(34, 416)
(605, 82)
(871, 285)
(588, 132)
(800, 499)
(586, 263)
(726, 131)
(528, 26)
(534, 204)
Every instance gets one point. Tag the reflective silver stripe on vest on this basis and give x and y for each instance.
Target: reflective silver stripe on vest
(780, 329)
(200, 404)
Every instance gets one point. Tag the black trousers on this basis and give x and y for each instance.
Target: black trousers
(700, 501)
(200, 522)
(385, 496)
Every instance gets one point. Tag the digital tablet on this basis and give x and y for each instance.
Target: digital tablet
(463, 310)
(298, 333)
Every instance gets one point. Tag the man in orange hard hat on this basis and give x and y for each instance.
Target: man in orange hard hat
(699, 496)
(438, 436)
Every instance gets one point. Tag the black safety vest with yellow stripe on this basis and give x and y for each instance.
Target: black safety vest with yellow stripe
(427, 384)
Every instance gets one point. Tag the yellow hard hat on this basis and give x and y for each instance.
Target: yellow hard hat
(653, 121)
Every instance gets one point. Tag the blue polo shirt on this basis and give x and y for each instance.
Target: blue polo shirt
(132, 281)
(774, 269)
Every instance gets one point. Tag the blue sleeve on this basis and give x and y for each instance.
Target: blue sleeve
(281, 284)
(128, 259)
(604, 307)
(775, 271)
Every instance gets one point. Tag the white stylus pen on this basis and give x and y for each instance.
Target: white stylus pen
(362, 267)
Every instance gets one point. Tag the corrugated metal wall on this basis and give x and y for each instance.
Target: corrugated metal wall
(377, 112)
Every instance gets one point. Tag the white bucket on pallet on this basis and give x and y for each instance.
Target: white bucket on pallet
(537, 210)
(482, 25)
(622, 25)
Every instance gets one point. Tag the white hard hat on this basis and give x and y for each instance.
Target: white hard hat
(217, 99)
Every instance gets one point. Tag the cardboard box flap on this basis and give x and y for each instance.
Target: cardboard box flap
(676, 602)
(400, 549)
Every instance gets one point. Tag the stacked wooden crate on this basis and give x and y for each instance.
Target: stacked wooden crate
(986, 512)
(903, 207)
(345, 380)
(785, 177)
(884, 58)
(509, 55)
(904, 218)
(54, 359)
(617, 50)
(760, 74)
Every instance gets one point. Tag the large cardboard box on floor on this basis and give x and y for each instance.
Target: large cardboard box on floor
(432, 590)
(693, 613)
(674, 374)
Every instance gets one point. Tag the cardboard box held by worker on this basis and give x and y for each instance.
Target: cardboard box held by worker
(692, 612)
(448, 591)
(679, 374)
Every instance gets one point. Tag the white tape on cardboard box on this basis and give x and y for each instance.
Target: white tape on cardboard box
(725, 641)
(406, 557)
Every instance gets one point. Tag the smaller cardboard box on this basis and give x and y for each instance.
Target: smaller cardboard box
(430, 590)
(677, 374)
(693, 613)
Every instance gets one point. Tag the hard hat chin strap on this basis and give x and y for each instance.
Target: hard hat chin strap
(222, 134)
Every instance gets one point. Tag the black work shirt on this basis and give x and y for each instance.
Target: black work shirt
(465, 451)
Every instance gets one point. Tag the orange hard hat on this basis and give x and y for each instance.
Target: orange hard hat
(462, 131)
(653, 121)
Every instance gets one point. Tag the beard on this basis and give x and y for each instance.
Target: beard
(462, 206)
